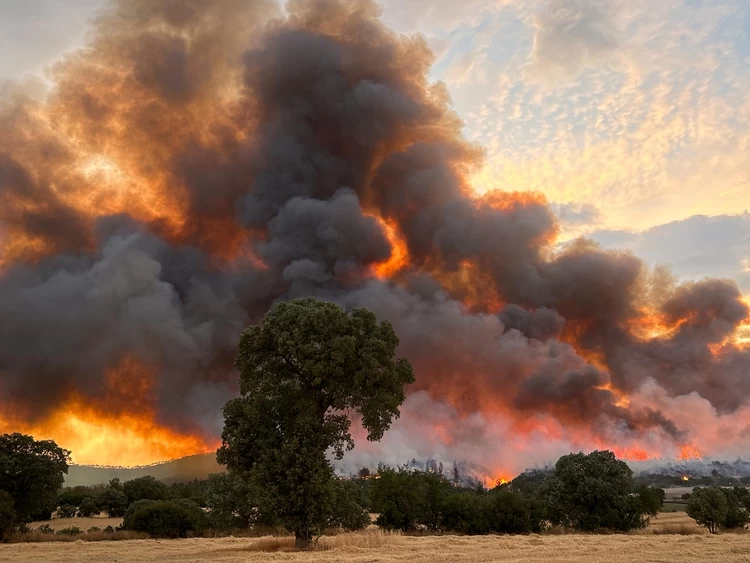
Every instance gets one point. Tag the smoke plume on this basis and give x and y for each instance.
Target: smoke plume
(199, 161)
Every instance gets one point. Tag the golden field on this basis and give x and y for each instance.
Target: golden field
(662, 542)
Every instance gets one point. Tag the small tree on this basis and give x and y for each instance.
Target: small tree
(592, 492)
(31, 472)
(307, 366)
(708, 507)
(112, 501)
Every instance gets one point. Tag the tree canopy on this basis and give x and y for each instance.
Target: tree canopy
(303, 372)
(31, 473)
(592, 492)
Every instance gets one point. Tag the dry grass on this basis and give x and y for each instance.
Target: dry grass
(369, 547)
(675, 523)
(82, 523)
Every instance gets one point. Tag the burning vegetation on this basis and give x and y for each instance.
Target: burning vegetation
(198, 161)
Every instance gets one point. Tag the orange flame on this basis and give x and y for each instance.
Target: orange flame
(689, 452)
(111, 432)
(399, 258)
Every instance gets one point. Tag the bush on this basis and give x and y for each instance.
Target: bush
(165, 519)
(7, 516)
(72, 531)
(466, 513)
(109, 530)
(45, 529)
(93, 529)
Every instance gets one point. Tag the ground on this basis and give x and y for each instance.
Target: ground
(357, 548)
(662, 542)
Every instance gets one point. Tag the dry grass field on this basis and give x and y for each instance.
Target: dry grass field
(82, 523)
(374, 547)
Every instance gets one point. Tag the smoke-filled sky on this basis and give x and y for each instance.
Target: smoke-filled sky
(188, 163)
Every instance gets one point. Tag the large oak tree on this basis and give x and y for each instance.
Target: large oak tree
(303, 373)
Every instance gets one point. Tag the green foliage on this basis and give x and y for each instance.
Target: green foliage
(348, 511)
(145, 488)
(396, 498)
(31, 472)
(89, 507)
(592, 492)
(708, 507)
(530, 481)
(93, 529)
(308, 364)
(651, 499)
(165, 518)
(75, 496)
(467, 513)
(7, 516)
(112, 501)
(232, 501)
(719, 508)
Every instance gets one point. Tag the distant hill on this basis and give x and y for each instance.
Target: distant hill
(177, 470)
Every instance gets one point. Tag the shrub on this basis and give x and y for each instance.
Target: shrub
(93, 529)
(72, 531)
(109, 530)
(45, 529)
(165, 519)
(7, 516)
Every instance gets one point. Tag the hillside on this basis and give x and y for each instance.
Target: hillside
(184, 469)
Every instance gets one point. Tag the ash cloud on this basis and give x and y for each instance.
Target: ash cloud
(198, 162)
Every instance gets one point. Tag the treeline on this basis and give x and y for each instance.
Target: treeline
(591, 492)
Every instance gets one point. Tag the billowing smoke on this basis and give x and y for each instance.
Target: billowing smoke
(200, 160)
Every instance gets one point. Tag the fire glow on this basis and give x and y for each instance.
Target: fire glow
(150, 211)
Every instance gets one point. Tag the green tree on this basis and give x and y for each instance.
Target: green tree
(592, 492)
(7, 516)
(301, 372)
(651, 499)
(396, 499)
(708, 507)
(31, 472)
(113, 501)
(165, 518)
(145, 488)
(89, 507)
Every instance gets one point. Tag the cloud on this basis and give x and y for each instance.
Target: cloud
(696, 247)
(573, 34)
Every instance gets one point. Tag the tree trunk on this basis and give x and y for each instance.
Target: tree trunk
(302, 539)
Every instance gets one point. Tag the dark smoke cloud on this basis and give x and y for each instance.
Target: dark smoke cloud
(262, 157)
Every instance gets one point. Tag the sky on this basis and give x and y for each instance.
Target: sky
(630, 116)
